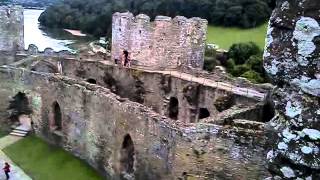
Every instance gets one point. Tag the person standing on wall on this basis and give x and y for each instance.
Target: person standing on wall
(126, 59)
(6, 169)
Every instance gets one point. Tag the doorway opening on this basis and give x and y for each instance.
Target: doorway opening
(127, 155)
(19, 105)
(57, 117)
(173, 108)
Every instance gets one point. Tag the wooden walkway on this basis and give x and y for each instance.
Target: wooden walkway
(247, 92)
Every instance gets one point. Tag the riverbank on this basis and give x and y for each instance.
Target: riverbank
(75, 32)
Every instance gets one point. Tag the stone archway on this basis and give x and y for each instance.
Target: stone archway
(19, 106)
(127, 155)
(173, 108)
(56, 123)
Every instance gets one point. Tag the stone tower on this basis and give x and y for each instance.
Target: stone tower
(292, 59)
(165, 43)
(11, 28)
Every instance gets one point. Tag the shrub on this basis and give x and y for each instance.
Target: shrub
(255, 63)
(230, 65)
(253, 76)
(210, 52)
(243, 51)
(246, 61)
(240, 69)
(209, 63)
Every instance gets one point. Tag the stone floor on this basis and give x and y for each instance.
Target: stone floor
(16, 173)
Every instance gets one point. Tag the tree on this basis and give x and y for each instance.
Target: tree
(242, 13)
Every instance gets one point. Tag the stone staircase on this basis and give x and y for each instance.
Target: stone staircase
(20, 131)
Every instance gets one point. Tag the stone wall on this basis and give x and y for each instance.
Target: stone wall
(11, 28)
(95, 122)
(165, 43)
(154, 90)
(292, 60)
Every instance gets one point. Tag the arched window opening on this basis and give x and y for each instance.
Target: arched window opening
(203, 113)
(173, 108)
(57, 116)
(92, 81)
(127, 155)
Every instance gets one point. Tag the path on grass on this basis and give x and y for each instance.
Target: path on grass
(16, 173)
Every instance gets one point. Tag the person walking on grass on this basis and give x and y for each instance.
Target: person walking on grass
(6, 169)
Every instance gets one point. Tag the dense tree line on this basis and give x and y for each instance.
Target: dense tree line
(29, 3)
(94, 16)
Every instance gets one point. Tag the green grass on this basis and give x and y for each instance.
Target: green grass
(45, 162)
(3, 133)
(225, 37)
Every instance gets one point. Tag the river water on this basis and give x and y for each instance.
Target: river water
(43, 38)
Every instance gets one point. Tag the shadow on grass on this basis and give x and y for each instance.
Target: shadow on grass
(3, 133)
(42, 161)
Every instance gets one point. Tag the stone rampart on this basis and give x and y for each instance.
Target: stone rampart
(165, 43)
(95, 123)
(11, 28)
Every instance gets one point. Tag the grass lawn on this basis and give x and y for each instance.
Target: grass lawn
(225, 37)
(3, 133)
(44, 162)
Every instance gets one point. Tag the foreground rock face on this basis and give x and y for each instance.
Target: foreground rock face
(292, 60)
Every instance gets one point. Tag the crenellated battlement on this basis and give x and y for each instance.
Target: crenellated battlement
(165, 43)
(11, 28)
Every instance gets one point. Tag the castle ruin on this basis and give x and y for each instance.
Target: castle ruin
(146, 123)
(165, 43)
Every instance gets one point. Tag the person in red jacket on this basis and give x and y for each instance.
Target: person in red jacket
(6, 169)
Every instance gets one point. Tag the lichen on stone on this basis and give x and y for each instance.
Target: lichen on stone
(293, 109)
(312, 133)
(288, 172)
(306, 150)
(306, 30)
